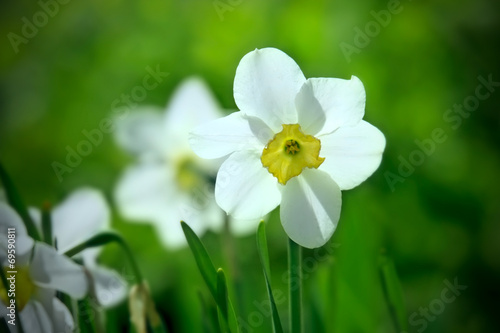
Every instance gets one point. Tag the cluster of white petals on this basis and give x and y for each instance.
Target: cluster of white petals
(272, 95)
(44, 270)
(169, 183)
(83, 214)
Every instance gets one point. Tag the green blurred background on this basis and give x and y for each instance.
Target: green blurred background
(440, 222)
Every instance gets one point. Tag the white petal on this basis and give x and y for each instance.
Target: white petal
(310, 208)
(10, 219)
(225, 135)
(80, 216)
(148, 193)
(213, 217)
(62, 318)
(192, 104)
(265, 86)
(24, 243)
(90, 256)
(200, 214)
(144, 190)
(110, 288)
(171, 234)
(244, 188)
(141, 132)
(36, 216)
(35, 319)
(201, 211)
(310, 113)
(50, 269)
(352, 154)
(243, 228)
(343, 101)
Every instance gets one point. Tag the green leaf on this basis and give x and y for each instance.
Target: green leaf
(393, 293)
(222, 300)
(15, 201)
(208, 314)
(205, 265)
(209, 274)
(47, 225)
(266, 267)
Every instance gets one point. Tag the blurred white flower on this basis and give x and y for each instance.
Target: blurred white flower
(83, 214)
(296, 142)
(169, 183)
(40, 272)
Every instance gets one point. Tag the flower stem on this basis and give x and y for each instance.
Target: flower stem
(295, 286)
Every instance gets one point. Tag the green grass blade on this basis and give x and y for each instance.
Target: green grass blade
(264, 259)
(209, 274)
(222, 300)
(393, 293)
(15, 201)
(205, 265)
(208, 315)
(47, 225)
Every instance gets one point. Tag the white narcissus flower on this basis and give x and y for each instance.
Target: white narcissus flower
(83, 214)
(40, 272)
(295, 141)
(170, 183)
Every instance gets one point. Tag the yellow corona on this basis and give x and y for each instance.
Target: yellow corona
(289, 152)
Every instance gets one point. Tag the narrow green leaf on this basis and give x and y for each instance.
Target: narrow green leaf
(208, 316)
(263, 251)
(266, 267)
(205, 265)
(393, 293)
(222, 300)
(15, 201)
(232, 321)
(209, 274)
(47, 224)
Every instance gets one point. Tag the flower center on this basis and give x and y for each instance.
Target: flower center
(190, 175)
(22, 287)
(289, 152)
(292, 147)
